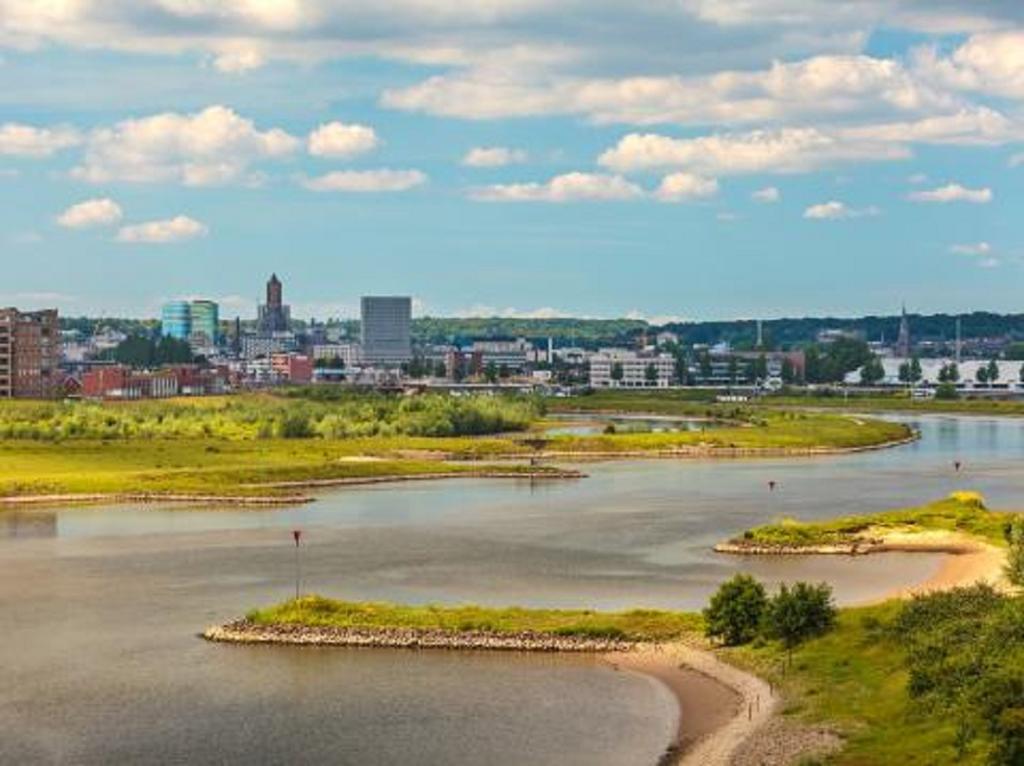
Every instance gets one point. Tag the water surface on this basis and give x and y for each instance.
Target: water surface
(101, 665)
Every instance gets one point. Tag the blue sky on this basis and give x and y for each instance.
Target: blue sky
(699, 159)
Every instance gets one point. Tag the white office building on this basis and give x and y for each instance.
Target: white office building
(621, 368)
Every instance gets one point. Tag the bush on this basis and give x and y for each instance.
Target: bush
(735, 612)
(1015, 557)
(799, 613)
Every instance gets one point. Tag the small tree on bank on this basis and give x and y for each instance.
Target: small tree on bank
(801, 612)
(1015, 557)
(735, 613)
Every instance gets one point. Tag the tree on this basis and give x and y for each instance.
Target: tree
(440, 370)
(915, 370)
(799, 613)
(1015, 557)
(872, 372)
(949, 373)
(735, 612)
(761, 368)
(946, 391)
(993, 371)
(982, 375)
(651, 374)
(734, 369)
(706, 370)
(491, 372)
(617, 372)
(788, 372)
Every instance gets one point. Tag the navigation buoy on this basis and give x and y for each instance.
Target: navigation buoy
(956, 466)
(771, 485)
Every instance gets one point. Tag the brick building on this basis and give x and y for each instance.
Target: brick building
(29, 354)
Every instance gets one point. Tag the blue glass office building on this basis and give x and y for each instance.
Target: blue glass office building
(176, 320)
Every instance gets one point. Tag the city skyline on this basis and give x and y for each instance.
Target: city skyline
(514, 161)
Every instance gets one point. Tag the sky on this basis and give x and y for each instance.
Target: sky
(659, 159)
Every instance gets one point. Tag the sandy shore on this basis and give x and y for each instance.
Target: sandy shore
(720, 706)
(968, 561)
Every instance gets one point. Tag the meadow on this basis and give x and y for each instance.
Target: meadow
(241, 444)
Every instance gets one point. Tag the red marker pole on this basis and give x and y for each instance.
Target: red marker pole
(297, 536)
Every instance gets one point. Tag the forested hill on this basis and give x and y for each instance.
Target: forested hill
(591, 333)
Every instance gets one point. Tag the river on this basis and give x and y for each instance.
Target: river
(100, 663)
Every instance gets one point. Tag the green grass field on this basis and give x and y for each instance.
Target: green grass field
(634, 625)
(223, 467)
(963, 512)
(854, 679)
(225, 445)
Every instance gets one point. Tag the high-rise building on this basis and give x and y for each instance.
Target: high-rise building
(176, 320)
(205, 323)
(29, 353)
(903, 346)
(273, 315)
(386, 329)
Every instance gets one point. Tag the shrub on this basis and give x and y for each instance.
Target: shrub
(801, 612)
(735, 612)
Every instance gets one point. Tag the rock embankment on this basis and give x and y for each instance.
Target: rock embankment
(245, 632)
(857, 547)
(153, 497)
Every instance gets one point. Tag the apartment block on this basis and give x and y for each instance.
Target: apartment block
(30, 348)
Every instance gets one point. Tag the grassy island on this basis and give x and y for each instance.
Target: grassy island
(267, 445)
(633, 625)
(961, 514)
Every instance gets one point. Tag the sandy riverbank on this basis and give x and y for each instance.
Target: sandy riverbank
(967, 560)
(720, 706)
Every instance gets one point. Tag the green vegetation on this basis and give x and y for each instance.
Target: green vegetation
(960, 512)
(229, 445)
(740, 612)
(736, 611)
(144, 351)
(634, 625)
(797, 614)
(937, 681)
(326, 413)
(1014, 533)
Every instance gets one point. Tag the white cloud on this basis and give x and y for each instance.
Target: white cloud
(569, 187)
(917, 178)
(990, 63)
(238, 61)
(678, 187)
(952, 192)
(17, 140)
(101, 211)
(974, 248)
(820, 86)
(493, 157)
(1016, 160)
(788, 150)
(982, 252)
(177, 229)
(767, 196)
(336, 139)
(835, 210)
(383, 180)
(211, 147)
(480, 311)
